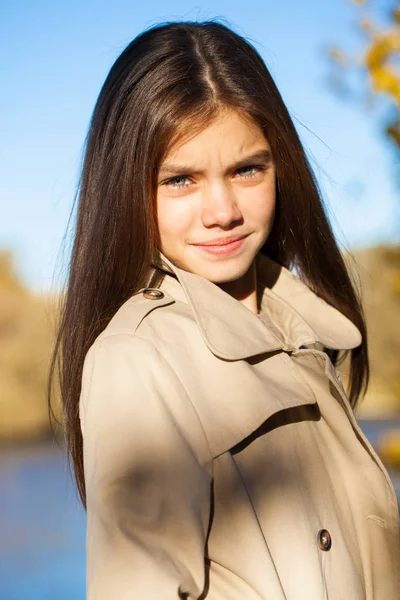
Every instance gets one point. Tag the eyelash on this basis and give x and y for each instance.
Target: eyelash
(169, 182)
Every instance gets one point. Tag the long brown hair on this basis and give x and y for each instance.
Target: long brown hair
(168, 84)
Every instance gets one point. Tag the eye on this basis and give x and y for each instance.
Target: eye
(255, 168)
(178, 182)
(174, 182)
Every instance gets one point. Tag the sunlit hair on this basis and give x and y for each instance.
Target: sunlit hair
(167, 85)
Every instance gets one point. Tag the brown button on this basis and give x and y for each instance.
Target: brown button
(324, 539)
(153, 294)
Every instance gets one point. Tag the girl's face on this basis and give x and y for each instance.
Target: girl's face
(220, 183)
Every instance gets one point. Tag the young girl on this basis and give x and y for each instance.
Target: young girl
(214, 447)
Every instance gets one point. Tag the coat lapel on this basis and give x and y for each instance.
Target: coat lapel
(292, 314)
(287, 298)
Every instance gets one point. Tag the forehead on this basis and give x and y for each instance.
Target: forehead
(234, 132)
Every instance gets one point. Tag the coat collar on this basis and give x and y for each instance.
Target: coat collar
(291, 314)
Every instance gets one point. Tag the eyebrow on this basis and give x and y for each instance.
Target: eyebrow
(261, 156)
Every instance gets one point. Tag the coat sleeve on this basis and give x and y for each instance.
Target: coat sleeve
(147, 473)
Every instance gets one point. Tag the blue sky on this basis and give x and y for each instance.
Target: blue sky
(56, 55)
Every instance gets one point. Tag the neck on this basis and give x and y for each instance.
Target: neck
(244, 289)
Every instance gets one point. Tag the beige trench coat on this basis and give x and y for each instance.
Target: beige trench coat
(222, 458)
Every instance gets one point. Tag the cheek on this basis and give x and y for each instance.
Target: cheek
(260, 206)
(174, 217)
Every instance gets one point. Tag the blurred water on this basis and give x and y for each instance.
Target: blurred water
(42, 525)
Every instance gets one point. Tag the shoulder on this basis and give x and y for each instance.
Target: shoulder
(120, 341)
(127, 376)
(134, 310)
(126, 345)
(120, 360)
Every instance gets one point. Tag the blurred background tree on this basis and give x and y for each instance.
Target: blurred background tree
(378, 63)
(371, 78)
(27, 322)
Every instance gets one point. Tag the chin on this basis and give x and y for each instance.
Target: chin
(223, 271)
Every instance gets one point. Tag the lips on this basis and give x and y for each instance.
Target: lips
(222, 248)
(223, 241)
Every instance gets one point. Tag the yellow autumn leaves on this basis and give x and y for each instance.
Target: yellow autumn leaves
(380, 59)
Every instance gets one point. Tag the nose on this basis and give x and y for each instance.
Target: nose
(219, 206)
